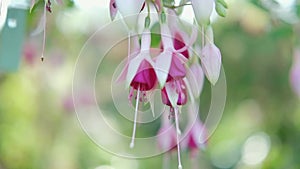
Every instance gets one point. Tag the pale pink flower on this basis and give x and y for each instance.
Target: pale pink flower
(211, 62)
(203, 10)
(166, 135)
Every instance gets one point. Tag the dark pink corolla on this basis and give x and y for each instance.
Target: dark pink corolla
(177, 86)
(145, 78)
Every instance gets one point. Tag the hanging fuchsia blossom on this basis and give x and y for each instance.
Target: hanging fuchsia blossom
(139, 74)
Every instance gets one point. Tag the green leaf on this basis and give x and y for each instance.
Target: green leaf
(222, 2)
(298, 10)
(221, 10)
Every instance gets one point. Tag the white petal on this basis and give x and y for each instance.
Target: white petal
(166, 36)
(203, 10)
(211, 62)
(162, 67)
(133, 67)
(172, 94)
(129, 8)
(146, 40)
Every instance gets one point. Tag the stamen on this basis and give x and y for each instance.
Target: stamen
(135, 117)
(44, 33)
(177, 137)
(130, 95)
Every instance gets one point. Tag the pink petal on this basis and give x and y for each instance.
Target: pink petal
(295, 73)
(211, 62)
(113, 9)
(195, 77)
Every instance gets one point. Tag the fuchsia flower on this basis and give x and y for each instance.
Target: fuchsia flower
(140, 75)
(211, 62)
(211, 58)
(295, 73)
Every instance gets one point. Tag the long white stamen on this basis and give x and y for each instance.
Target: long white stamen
(135, 117)
(177, 137)
(44, 33)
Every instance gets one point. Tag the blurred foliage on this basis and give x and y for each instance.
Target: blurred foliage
(38, 132)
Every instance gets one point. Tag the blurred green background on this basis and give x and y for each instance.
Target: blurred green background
(260, 127)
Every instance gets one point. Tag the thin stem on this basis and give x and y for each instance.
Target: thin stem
(177, 137)
(135, 117)
(148, 9)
